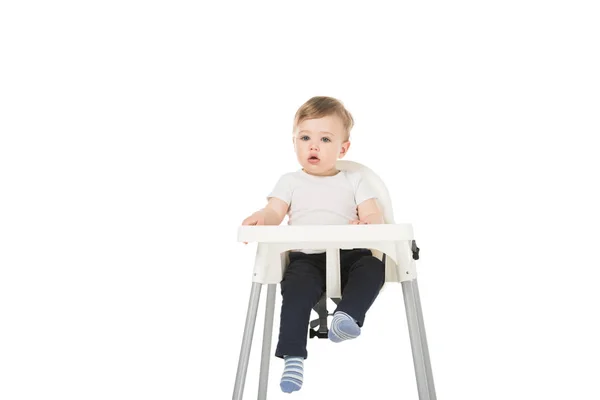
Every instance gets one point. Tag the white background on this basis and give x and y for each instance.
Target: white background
(136, 136)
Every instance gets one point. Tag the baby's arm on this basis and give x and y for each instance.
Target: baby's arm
(369, 213)
(272, 214)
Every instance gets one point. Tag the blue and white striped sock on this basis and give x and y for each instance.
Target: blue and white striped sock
(293, 373)
(343, 327)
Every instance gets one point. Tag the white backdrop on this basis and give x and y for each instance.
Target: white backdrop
(136, 136)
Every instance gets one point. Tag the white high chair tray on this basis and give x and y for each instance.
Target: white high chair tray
(325, 233)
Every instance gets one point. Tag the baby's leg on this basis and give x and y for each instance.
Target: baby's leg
(363, 277)
(302, 286)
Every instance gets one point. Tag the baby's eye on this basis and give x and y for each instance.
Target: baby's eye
(305, 138)
(326, 140)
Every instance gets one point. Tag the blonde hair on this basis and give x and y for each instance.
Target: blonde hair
(323, 106)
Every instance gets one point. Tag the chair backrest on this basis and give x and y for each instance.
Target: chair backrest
(383, 196)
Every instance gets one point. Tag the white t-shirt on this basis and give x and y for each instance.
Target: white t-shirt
(322, 200)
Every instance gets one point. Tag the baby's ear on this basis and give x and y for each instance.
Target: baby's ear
(344, 149)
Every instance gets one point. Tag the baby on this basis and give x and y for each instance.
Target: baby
(320, 194)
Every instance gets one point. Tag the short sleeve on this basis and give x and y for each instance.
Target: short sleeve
(283, 189)
(364, 190)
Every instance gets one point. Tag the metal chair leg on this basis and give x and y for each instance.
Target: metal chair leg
(240, 378)
(266, 347)
(418, 340)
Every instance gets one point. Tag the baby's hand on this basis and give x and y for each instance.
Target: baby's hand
(357, 222)
(258, 218)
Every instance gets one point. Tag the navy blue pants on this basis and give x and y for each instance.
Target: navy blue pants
(303, 284)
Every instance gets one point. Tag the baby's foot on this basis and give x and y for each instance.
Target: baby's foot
(343, 327)
(292, 374)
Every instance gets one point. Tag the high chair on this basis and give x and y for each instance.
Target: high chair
(392, 243)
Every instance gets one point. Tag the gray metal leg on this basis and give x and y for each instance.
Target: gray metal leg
(418, 340)
(266, 349)
(240, 378)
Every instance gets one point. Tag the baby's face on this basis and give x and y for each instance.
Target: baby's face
(319, 143)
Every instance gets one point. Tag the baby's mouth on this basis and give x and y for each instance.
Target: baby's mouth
(313, 159)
